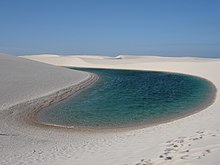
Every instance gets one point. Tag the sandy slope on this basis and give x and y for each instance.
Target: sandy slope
(23, 79)
(193, 140)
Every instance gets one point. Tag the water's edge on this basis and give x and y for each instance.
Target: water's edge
(55, 98)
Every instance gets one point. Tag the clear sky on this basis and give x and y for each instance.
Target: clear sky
(111, 27)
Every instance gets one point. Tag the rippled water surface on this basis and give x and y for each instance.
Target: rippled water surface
(126, 97)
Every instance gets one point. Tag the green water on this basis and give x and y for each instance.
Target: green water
(123, 98)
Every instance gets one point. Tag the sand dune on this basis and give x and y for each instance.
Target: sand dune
(23, 79)
(190, 140)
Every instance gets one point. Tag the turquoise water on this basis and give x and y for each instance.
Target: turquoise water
(122, 98)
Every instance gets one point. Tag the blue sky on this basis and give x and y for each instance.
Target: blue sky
(135, 27)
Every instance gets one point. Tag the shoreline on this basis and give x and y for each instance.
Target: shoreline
(56, 98)
(133, 126)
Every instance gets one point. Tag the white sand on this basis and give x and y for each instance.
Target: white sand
(23, 79)
(190, 140)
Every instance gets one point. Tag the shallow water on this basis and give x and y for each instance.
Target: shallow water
(126, 97)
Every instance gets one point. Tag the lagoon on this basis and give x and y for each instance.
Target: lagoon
(125, 98)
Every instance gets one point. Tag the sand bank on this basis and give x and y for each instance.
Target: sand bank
(193, 139)
(23, 80)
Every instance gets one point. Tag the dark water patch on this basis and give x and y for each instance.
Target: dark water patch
(122, 98)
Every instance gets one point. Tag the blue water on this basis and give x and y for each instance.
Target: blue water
(122, 98)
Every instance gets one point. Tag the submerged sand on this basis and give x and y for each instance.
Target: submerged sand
(193, 139)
